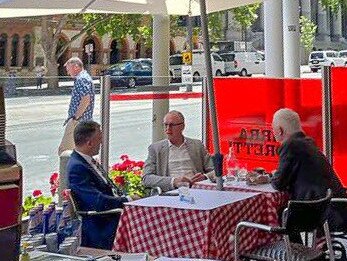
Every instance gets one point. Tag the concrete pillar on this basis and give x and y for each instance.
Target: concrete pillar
(161, 45)
(306, 8)
(261, 18)
(20, 52)
(337, 27)
(323, 28)
(273, 33)
(8, 52)
(291, 38)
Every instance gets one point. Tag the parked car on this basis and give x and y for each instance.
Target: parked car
(318, 59)
(198, 65)
(130, 73)
(343, 53)
(244, 63)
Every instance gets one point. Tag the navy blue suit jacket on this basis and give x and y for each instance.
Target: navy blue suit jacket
(92, 193)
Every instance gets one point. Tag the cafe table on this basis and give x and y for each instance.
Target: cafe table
(166, 226)
(275, 201)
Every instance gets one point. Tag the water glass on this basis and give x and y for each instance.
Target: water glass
(183, 189)
(242, 174)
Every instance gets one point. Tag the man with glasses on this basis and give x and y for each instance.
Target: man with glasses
(177, 159)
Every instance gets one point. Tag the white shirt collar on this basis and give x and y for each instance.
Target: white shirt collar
(184, 142)
(85, 156)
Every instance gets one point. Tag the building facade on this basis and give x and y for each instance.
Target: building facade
(331, 27)
(21, 51)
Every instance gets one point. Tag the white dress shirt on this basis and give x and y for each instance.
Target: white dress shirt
(180, 163)
(89, 159)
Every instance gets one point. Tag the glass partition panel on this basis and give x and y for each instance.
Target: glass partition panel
(245, 107)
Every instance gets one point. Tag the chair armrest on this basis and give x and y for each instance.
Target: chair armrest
(260, 227)
(96, 213)
(247, 224)
(339, 200)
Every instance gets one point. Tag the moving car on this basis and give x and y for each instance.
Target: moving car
(130, 73)
(318, 59)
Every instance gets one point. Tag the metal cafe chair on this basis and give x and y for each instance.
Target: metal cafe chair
(339, 235)
(301, 216)
(80, 214)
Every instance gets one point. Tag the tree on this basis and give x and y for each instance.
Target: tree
(118, 26)
(215, 27)
(245, 16)
(308, 31)
(334, 5)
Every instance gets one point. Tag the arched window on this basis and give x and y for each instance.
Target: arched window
(114, 54)
(138, 50)
(93, 55)
(3, 45)
(26, 50)
(14, 50)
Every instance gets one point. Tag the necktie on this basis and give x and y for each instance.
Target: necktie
(117, 191)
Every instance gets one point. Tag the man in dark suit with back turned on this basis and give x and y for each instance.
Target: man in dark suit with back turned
(92, 189)
(303, 170)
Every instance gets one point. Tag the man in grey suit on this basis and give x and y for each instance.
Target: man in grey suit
(177, 159)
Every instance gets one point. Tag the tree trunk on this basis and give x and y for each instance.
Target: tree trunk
(52, 74)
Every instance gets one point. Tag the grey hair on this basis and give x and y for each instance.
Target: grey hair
(288, 119)
(75, 61)
(84, 131)
(177, 113)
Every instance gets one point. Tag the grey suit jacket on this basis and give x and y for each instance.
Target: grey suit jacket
(156, 165)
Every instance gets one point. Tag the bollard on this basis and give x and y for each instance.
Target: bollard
(64, 157)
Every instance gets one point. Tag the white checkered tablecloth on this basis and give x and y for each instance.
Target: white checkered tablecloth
(174, 232)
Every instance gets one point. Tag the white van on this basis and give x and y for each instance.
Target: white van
(244, 63)
(198, 65)
(318, 59)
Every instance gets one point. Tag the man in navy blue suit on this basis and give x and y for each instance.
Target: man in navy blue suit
(91, 187)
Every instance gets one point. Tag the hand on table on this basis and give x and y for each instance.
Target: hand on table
(179, 180)
(198, 177)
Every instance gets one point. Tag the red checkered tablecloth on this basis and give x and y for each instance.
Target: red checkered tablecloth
(174, 232)
(274, 200)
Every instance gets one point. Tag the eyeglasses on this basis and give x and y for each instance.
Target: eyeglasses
(170, 125)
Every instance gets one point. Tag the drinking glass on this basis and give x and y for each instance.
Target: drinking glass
(183, 189)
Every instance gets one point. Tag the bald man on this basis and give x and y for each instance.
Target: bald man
(303, 170)
(177, 159)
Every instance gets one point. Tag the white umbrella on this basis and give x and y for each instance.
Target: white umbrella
(22, 8)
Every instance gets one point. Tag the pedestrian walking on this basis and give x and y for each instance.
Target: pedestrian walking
(40, 73)
(81, 104)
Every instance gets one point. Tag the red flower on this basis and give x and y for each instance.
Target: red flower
(140, 164)
(119, 180)
(54, 178)
(54, 181)
(115, 166)
(65, 194)
(37, 193)
(138, 172)
(124, 157)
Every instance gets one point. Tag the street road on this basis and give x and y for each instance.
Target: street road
(35, 126)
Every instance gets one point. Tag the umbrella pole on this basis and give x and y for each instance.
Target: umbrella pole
(217, 157)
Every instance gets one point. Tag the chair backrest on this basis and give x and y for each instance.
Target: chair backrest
(73, 203)
(307, 215)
